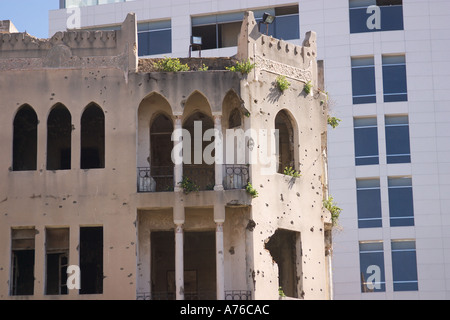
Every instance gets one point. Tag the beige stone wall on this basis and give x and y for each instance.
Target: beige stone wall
(41, 73)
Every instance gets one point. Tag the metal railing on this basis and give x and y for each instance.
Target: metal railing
(236, 176)
(155, 179)
(202, 175)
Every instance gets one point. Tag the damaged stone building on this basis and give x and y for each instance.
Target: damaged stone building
(88, 176)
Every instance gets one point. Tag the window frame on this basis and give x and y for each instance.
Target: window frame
(359, 128)
(362, 217)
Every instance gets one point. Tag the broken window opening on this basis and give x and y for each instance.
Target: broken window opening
(93, 138)
(91, 260)
(161, 164)
(285, 248)
(285, 141)
(25, 139)
(59, 139)
(22, 258)
(235, 120)
(162, 263)
(197, 170)
(57, 258)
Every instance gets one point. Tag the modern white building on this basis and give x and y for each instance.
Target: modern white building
(387, 73)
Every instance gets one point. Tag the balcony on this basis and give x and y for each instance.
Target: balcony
(161, 179)
(235, 176)
(154, 179)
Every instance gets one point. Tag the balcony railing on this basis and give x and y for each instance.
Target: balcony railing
(160, 179)
(236, 176)
(203, 176)
(206, 295)
(155, 179)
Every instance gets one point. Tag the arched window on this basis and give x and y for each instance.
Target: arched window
(161, 165)
(286, 141)
(93, 138)
(25, 139)
(59, 138)
(195, 166)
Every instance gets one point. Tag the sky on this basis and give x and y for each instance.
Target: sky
(28, 15)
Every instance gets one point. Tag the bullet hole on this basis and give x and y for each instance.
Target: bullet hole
(312, 229)
(251, 225)
(281, 197)
(231, 251)
(298, 194)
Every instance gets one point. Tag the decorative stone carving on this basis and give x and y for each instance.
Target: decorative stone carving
(268, 65)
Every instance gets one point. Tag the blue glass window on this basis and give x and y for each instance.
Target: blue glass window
(388, 15)
(401, 208)
(222, 31)
(404, 265)
(368, 203)
(394, 78)
(363, 80)
(397, 139)
(154, 38)
(371, 263)
(366, 141)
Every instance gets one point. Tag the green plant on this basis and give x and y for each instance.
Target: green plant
(203, 68)
(291, 172)
(242, 67)
(170, 65)
(252, 191)
(308, 87)
(333, 121)
(281, 292)
(335, 211)
(247, 114)
(188, 185)
(282, 83)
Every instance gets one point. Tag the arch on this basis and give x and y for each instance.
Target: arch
(92, 137)
(25, 139)
(287, 134)
(196, 102)
(154, 144)
(59, 138)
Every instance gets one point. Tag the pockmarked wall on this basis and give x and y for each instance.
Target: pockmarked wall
(267, 246)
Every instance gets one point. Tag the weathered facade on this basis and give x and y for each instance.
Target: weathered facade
(88, 177)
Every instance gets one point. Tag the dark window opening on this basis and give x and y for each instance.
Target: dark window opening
(59, 139)
(235, 119)
(93, 138)
(57, 248)
(285, 141)
(198, 170)
(162, 263)
(25, 140)
(285, 248)
(22, 257)
(161, 145)
(91, 260)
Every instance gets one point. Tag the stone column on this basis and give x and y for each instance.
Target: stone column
(178, 219)
(177, 145)
(219, 152)
(179, 262)
(220, 262)
(219, 219)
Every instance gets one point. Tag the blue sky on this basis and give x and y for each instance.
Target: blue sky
(28, 15)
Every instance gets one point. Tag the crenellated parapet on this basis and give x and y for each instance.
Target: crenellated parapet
(276, 55)
(72, 49)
